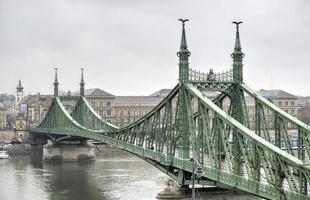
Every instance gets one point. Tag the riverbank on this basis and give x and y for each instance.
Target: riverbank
(18, 149)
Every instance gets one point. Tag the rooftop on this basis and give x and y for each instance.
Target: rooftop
(276, 94)
(96, 92)
(162, 92)
(137, 100)
(2, 108)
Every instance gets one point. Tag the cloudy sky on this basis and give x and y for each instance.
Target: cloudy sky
(129, 47)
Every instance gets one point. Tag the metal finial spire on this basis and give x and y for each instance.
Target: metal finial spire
(183, 55)
(56, 83)
(183, 39)
(237, 41)
(82, 83)
(56, 78)
(237, 56)
(82, 75)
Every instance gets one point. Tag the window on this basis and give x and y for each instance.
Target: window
(280, 103)
(292, 111)
(108, 112)
(282, 143)
(108, 103)
(101, 104)
(286, 103)
(292, 103)
(286, 110)
(93, 103)
(294, 142)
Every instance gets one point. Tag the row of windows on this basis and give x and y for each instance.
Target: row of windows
(252, 111)
(286, 103)
(100, 103)
(270, 125)
(102, 113)
(293, 141)
(131, 112)
(123, 112)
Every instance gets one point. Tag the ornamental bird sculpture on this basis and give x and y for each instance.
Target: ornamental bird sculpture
(183, 20)
(237, 23)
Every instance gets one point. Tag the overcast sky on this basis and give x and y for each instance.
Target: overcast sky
(129, 47)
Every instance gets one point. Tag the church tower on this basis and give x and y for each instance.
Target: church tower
(19, 93)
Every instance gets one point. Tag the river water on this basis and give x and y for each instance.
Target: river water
(114, 175)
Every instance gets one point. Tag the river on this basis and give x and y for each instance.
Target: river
(113, 175)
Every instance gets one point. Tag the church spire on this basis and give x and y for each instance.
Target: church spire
(183, 55)
(237, 56)
(19, 88)
(82, 83)
(56, 83)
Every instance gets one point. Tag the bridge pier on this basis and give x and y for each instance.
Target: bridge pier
(69, 151)
(174, 192)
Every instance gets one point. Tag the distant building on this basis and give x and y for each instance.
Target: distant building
(3, 116)
(303, 101)
(8, 102)
(21, 127)
(304, 109)
(128, 109)
(161, 93)
(120, 110)
(123, 110)
(19, 93)
(280, 98)
(34, 107)
(21, 123)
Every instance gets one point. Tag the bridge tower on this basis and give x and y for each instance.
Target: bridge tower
(239, 111)
(183, 118)
(82, 84)
(56, 83)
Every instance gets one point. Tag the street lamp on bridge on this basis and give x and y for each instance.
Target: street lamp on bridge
(197, 172)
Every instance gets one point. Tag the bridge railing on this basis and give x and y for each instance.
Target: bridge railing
(195, 75)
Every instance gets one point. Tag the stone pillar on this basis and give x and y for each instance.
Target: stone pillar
(69, 152)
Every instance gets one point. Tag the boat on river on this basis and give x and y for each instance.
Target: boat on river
(3, 153)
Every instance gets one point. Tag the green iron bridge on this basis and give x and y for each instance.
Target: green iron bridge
(215, 132)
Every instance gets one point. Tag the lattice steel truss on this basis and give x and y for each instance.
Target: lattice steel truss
(187, 124)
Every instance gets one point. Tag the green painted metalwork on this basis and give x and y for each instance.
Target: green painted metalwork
(82, 83)
(85, 115)
(237, 56)
(183, 55)
(186, 124)
(56, 83)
